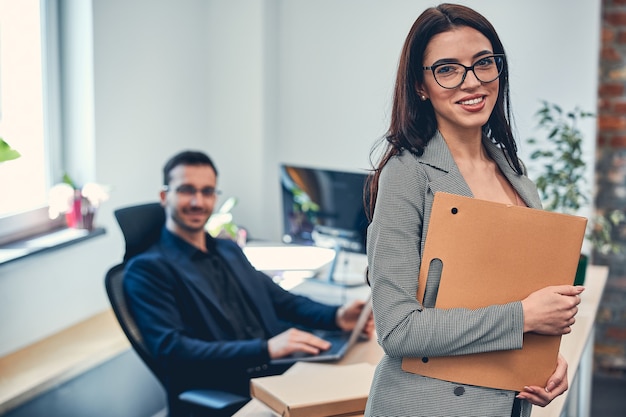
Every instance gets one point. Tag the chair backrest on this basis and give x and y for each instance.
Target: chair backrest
(141, 226)
(114, 283)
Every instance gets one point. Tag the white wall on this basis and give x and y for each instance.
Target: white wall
(255, 83)
(338, 61)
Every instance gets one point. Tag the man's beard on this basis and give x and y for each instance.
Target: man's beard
(179, 220)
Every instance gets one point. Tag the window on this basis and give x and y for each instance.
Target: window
(29, 116)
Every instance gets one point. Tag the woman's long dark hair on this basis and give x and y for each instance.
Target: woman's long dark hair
(413, 121)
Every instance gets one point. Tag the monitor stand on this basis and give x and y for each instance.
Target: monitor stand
(331, 275)
(345, 244)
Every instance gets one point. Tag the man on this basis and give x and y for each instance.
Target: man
(210, 318)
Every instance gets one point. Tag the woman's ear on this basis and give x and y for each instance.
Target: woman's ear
(421, 93)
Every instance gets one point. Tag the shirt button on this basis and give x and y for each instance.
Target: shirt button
(458, 391)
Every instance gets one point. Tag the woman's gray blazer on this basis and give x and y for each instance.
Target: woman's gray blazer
(405, 328)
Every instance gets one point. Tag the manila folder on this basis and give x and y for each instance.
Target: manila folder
(494, 253)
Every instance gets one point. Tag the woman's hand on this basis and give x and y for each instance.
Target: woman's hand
(551, 310)
(557, 385)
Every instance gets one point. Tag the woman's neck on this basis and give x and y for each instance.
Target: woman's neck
(465, 145)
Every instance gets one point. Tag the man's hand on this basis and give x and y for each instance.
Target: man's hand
(348, 315)
(295, 340)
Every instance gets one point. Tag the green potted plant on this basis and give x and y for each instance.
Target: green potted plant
(6, 152)
(563, 184)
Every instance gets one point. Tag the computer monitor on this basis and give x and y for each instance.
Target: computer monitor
(323, 207)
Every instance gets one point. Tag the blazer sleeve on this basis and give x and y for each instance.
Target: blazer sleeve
(169, 318)
(405, 328)
(153, 295)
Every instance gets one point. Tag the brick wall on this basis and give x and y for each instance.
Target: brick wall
(610, 348)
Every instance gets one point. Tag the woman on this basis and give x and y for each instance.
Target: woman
(449, 132)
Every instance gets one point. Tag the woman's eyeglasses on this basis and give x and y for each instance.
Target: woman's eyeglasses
(451, 75)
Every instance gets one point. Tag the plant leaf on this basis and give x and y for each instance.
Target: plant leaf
(6, 152)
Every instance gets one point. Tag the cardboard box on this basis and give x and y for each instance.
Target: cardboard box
(316, 390)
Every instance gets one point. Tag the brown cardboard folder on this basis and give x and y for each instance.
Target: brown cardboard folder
(495, 253)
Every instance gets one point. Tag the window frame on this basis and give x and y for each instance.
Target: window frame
(35, 221)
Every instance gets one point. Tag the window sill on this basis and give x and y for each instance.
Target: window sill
(45, 242)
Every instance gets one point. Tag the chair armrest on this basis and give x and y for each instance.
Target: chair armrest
(213, 399)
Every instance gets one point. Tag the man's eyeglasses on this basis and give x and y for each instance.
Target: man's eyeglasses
(187, 190)
(451, 75)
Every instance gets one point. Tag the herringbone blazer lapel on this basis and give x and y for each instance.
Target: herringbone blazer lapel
(449, 179)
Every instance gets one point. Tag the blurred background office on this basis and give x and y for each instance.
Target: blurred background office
(256, 83)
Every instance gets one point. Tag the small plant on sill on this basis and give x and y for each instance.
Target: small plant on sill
(79, 204)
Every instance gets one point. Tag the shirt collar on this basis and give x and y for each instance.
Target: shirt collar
(188, 249)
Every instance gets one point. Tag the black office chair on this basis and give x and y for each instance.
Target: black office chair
(141, 226)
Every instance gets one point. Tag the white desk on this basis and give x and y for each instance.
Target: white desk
(291, 264)
(576, 347)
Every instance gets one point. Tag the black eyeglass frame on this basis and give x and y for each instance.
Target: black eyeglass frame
(186, 189)
(432, 68)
